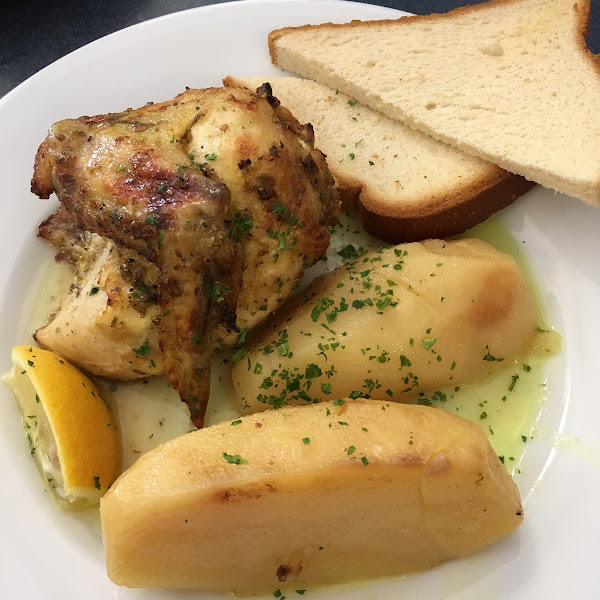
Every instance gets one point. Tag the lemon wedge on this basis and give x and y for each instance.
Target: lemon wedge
(69, 427)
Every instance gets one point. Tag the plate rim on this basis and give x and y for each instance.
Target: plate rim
(8, 98)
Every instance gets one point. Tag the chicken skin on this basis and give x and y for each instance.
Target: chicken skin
(221, 189)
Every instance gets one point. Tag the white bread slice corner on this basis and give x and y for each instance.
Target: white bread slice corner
(509, 81)
(407, 185)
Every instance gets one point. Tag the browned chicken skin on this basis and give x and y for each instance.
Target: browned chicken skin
(220, 188)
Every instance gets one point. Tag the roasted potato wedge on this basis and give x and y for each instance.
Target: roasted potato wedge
(307, 496)
(395, 324)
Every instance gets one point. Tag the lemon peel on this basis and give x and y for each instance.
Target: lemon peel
(69, 427)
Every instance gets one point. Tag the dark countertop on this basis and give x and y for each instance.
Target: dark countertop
(35, 33)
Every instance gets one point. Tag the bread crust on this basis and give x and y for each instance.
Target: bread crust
(458, 211)
(452, 214)
(581, 7)
(442, 220)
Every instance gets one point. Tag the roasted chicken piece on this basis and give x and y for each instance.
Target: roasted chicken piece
(221, 189)
(106, 321)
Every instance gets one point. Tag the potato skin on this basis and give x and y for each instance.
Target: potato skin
(329, 493)
(395, 324)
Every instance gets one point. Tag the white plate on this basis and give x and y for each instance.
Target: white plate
(47, 555)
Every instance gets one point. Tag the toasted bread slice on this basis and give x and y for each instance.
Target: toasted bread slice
(407, 185)
(509, 81)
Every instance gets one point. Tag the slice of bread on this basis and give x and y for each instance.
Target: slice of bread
(509, 81)
(407, 185)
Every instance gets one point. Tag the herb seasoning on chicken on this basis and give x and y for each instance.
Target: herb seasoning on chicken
(220, 188)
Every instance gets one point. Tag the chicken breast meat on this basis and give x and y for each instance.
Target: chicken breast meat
(107, 321)
(221, 189)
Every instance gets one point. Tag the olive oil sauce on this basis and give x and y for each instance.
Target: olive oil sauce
(506, 405)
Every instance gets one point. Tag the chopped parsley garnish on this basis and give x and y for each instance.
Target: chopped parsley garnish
(242, 225)
(364, 460)
(151, 219)
(404, 361)
(240, 354)
(97, 483)
(94, 290)
(383, 357)
(236, 422)
(321, 306)
(348, 252)
(312, 371)
(306, 441)
(488, 357)
(214, 291)
(234, 459)
(429, 343)
(281, 209)
(144, 349)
